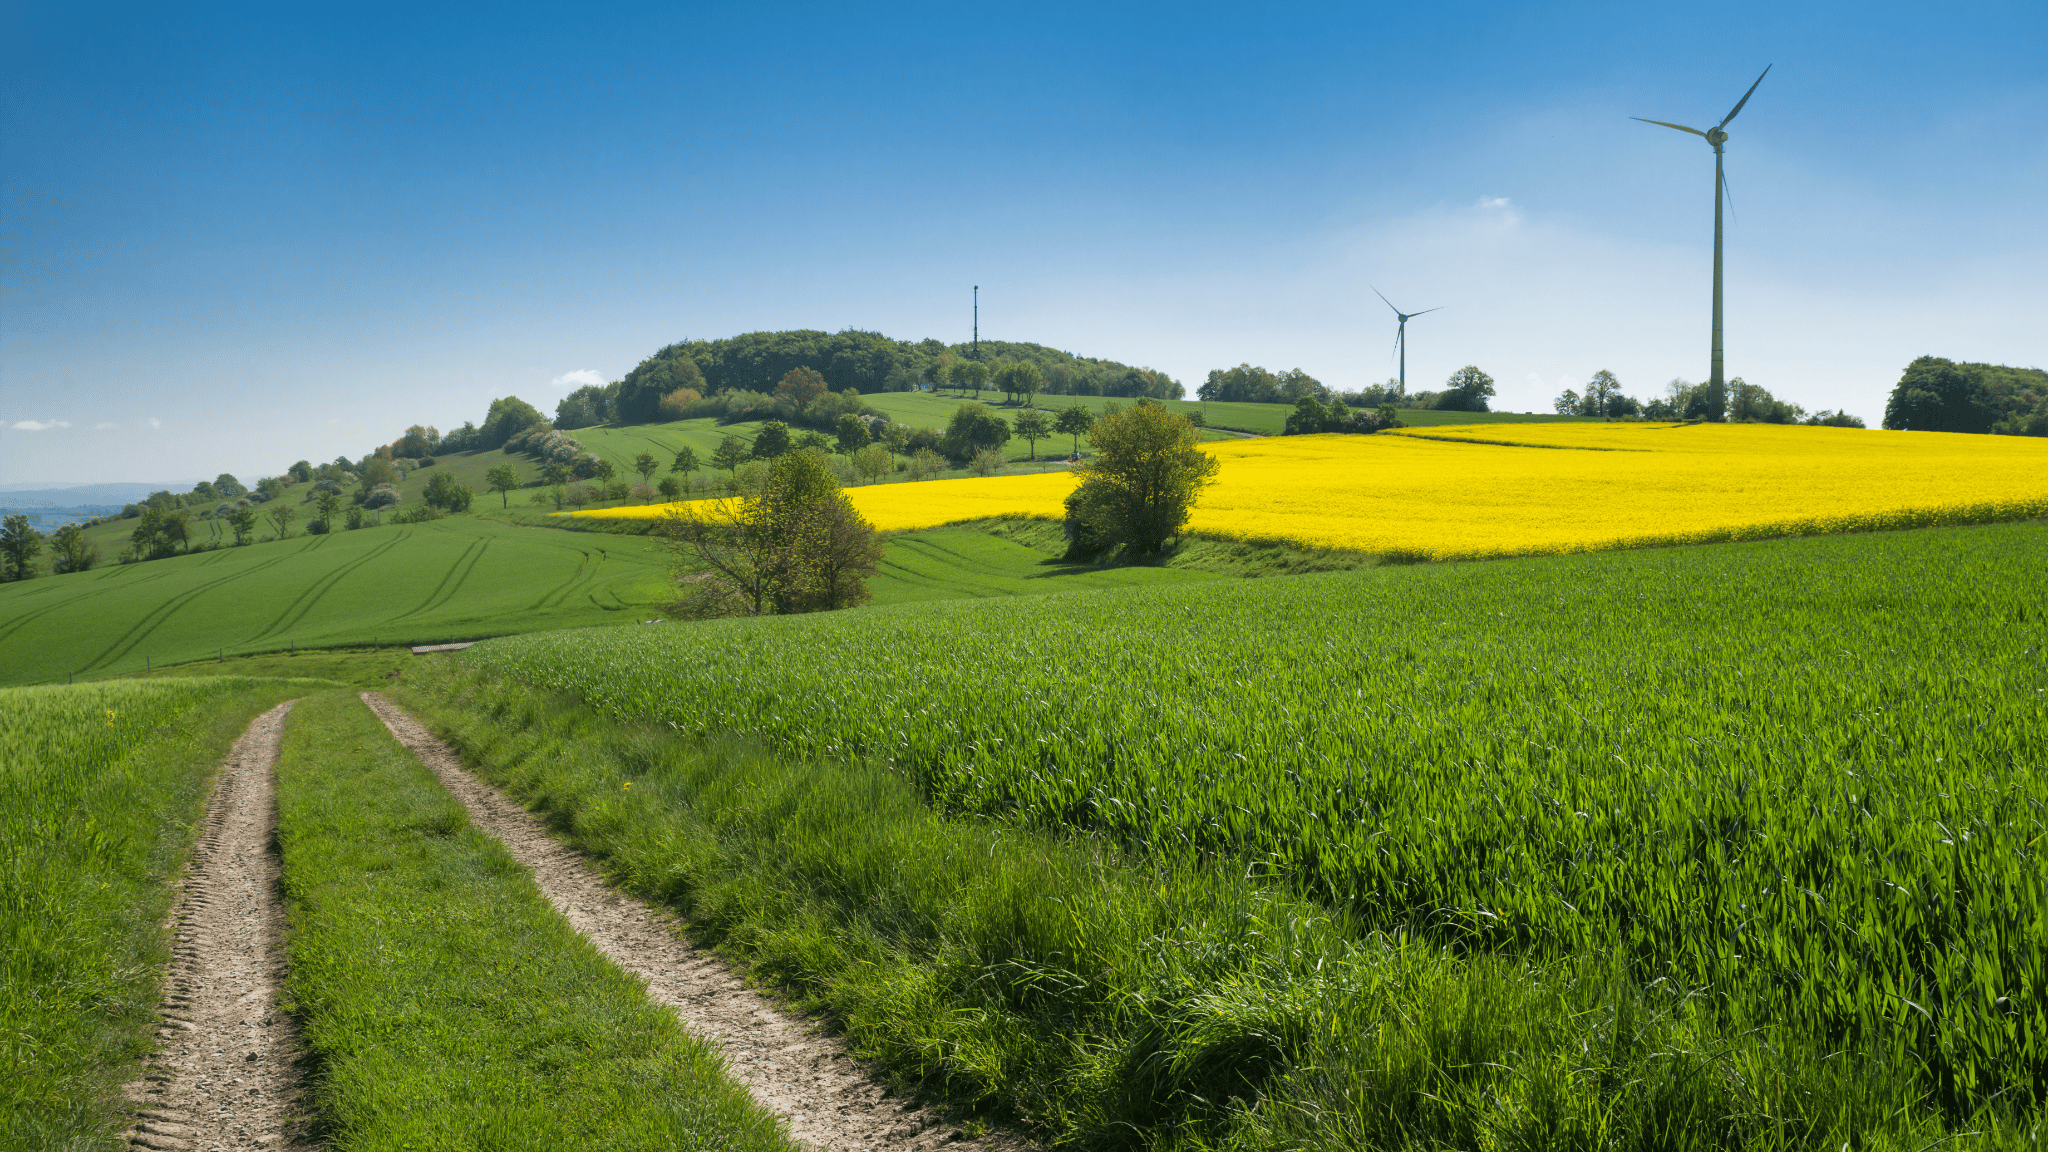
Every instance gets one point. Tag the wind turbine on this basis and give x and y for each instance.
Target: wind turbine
(1401, 336)
(1717, 137)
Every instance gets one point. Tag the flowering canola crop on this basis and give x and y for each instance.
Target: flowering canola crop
(1469, 491)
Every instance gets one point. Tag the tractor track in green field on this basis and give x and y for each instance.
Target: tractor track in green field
(305, 601)
(452, 580)
(140, 630)
(560, 592)
(561, 595)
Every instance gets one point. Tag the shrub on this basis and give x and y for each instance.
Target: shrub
(384, 496)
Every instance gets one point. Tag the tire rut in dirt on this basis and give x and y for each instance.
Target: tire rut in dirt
(827, 1099)
(224, 1076)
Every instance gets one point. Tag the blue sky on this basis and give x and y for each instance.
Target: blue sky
(234, 235)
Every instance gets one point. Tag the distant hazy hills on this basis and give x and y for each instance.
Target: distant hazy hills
(23, 497)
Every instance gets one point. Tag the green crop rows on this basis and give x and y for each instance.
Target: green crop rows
(1798, 780)
(455, 579)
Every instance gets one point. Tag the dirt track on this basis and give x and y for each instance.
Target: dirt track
(223, 1078)
(827, 1100)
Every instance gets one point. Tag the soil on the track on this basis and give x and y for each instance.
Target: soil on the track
(824, 1096)
(224, 1076)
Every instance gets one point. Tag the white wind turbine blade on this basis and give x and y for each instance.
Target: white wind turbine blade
(1383, 299)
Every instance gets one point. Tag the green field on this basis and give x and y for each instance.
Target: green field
(1801, 779)
(462, 578)
(101, 787)
(952, 563)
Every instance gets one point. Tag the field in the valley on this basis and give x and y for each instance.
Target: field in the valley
(1729, 844)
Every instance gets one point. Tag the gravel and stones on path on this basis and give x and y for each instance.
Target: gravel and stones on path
(825, 1097)
(224, 1076)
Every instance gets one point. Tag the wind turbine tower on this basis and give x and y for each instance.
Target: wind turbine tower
(1717, 136)
(1401, 334)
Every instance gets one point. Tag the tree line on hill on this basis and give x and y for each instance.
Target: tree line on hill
(867, 362)
(1737, 401)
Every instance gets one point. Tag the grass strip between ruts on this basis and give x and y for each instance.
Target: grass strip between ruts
(1114, 1004)
(102, 788)
(444, 1002)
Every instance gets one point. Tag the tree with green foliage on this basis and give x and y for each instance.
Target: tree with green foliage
(814, 440)
(282, 515)
(69, 551)
(603, 469)
(800, 387)
(939, 373)
(853, 435)
(356, 517)
(896, 438)
(447, 493)
(671, 489)
(1140, 486)
(508, 417)
(1020, 378)
(1937, 395)
(972, 428)
(686, 462)
(795, 545)
(771, 441)
(646, 465)
(228, 487)
(243, 521)
(327, 505)
(553, 474)
(971, 374)
(873, 461)
(1466, 391)
(1075, 420)
(502, 479)
(301, 472)
(730, 454)
(1033, 425)
(20, 544)
(925, 462)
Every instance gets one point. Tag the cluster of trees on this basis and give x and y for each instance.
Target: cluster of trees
(1739, 401)
(756, 364)
(1937, 395)
(21, 544)
(1247, 384)
(1311, 416)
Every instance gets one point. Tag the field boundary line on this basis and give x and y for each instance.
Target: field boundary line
(825, 1097)
(224, 1074)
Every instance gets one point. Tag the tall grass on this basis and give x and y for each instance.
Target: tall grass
(1119, 1000)
(101, 788)
(1796, 784)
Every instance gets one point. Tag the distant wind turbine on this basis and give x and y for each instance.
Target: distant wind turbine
(1401, 334)
(1716, 137)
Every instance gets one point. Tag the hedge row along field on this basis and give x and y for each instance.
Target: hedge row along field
(1484, 490)
(100, 789)
(1799, 782)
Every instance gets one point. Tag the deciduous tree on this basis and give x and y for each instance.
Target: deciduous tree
(730, 454)
(20, 544)
(70, 552)
(796, 545)
(1144, 479)
(1033, 425)
(853, 435)
(800, 386)
(772, 440)
(1075, 420)
(502, 478)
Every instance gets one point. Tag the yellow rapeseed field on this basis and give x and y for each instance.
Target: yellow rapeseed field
(1467, 491)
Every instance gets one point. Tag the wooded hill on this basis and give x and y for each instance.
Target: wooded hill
(868, 362)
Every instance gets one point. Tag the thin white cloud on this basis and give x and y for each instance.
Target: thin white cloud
(1494, 202)
(578, 379)
(39, 425)
(155, 423)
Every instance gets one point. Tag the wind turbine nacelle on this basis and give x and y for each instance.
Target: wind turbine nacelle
(1716, 137)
